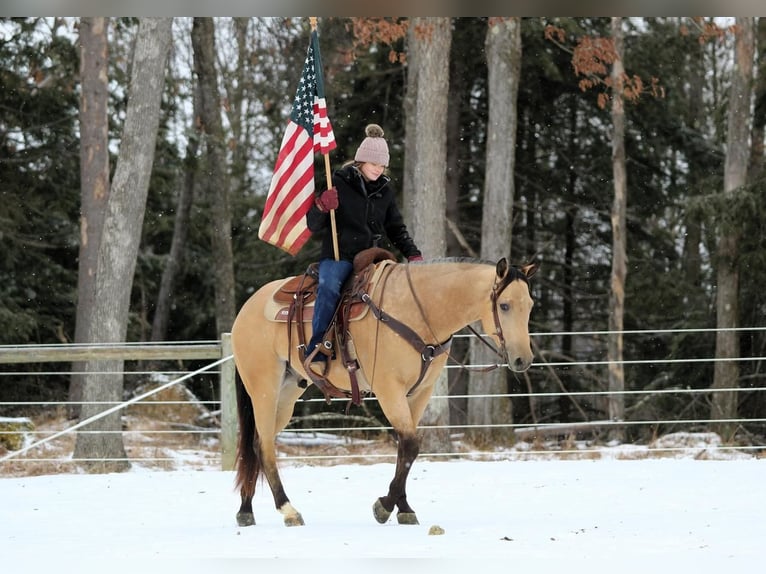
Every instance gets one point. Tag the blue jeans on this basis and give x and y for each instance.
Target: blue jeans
(332, 275)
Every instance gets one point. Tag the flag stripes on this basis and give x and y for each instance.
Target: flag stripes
(291, 193)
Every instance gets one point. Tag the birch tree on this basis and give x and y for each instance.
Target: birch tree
(178, 241)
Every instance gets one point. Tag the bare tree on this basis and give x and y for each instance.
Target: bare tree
(177, 243)
(755, 169)
(726, 374)
(120, 240)
(428, 82)
(695, 114)
(503, 45)
(215, 177)
(94, 176)
(616, 401)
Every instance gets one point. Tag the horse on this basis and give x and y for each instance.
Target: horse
(401, 346)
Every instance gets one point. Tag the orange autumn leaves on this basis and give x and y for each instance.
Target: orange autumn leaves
(592, 58)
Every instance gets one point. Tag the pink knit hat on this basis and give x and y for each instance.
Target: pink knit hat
(374, 148)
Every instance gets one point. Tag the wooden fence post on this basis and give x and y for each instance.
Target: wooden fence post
(229, 421)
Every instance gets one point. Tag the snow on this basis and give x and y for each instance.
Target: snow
(607, 515)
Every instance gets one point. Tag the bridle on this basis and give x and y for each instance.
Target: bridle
(429, 351)
(497, 290)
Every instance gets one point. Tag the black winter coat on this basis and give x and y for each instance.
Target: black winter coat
(367, 216)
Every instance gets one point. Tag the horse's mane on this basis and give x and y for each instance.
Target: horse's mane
(472, 260)
(513, 271)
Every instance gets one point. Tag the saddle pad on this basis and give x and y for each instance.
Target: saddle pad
(277, 310)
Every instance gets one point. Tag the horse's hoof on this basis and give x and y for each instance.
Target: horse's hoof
(291, 516)
(296, 520)
(245, 519)
(381, 514)
(407, 518)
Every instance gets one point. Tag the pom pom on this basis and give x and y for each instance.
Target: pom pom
(373, 131)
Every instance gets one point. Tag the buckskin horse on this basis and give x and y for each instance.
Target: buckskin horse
(399, 338)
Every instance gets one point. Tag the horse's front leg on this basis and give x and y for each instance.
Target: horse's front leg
(407, 452)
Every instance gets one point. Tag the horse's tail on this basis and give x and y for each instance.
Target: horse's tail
(248, 449)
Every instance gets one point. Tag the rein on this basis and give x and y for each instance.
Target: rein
(450, 355)
(454, 359)
(427, 352)
(497, 289)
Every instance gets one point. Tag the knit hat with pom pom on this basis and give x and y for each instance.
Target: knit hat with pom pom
(374, 148)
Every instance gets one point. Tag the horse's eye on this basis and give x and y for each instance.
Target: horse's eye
(504, 306)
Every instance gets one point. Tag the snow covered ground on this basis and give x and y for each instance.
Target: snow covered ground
(511, 516)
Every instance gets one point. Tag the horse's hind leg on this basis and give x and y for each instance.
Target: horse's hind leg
(262, 458)
(289, 394)
(248, 463)
(290, 515)
(245, 516)
(277, 419)
(270, 400)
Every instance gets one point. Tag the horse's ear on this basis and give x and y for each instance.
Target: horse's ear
(501, 268)
(530, 269)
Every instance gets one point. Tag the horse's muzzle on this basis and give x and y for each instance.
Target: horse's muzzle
(519, 364)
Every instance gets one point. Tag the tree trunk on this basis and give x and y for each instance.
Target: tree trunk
(215, 178)
(120, 240)
(726, 373)
(692, 259)
(453, 175)
(429, 46)
(236, 86)
(94, 177)
(177, 243)
(503, 45)
(456, 382)
(616, 401)
(569, 379)
(755, 168)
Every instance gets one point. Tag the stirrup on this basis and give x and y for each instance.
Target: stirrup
(308, 360)
(319, 379)
(328, 389)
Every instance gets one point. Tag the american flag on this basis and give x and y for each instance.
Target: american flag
(309, 131)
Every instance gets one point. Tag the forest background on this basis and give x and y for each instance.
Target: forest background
(547, 165)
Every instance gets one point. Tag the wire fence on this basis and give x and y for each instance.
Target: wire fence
(48, 437)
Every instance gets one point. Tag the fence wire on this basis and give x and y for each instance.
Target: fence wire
(37, 438)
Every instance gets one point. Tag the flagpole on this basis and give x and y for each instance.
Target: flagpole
(328, 173)
(332, 211)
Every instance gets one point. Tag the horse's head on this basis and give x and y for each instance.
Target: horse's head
(508, 317)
